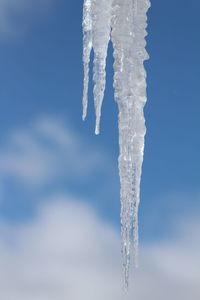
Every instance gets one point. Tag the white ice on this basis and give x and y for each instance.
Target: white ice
(125, 22)
(96, 36)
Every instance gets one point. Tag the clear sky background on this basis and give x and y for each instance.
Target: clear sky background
(59, 185)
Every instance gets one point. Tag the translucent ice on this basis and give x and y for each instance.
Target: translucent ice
(96, 35)
(125, 22)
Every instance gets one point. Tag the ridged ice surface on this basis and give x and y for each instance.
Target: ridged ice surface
(126, 20)
(96, 36)
(87, 47)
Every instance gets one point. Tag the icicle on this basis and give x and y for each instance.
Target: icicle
(101, 37)
(97, 17)
(128, 32)
(128, 25)
(87, 47)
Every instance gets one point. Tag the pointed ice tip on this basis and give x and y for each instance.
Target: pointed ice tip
(97, 131)
(126, 286)
(84, 115)
(97, 126)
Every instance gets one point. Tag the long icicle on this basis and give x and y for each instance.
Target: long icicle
(128, 21)
(128, 32)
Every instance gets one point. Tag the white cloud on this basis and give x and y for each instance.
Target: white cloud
(68, 252)
(47, 150)
(15, 15)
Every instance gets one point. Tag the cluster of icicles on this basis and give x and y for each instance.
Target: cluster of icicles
(124, 23)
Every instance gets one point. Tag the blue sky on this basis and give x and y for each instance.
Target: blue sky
(49, 156)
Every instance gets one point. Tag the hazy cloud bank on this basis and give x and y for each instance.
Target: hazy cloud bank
(68, 252)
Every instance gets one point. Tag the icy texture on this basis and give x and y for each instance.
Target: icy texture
(96, 35)
(87, 47)
(128, 21)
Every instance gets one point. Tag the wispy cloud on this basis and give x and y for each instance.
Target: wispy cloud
(15, 15)
(47, 150)
(68, 252)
